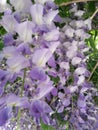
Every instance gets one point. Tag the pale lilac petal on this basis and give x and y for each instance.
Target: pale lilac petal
(80, 24)
(52, 35)
(47, 108)
(45, 119)
(9, 23)
(76, 60)
(4, 6)
(41, 56)
(61, 109)
(65, 65)
(66, 102)
(53, 46)
(81, 102)
(21, 5)
(73, 89)
(80, 33)
(52, 73)
(17, 101)
(44, 89)
(9, 51)
(61, 95)
(80, 70)
(81, 80)
(38, 74)
(88, 23)
(51, 62)
(69, 32)
(54, 92)
(48, 18)
(25, 31)
(79, 13)
(16, 64)
(37, 14)
(70, 54)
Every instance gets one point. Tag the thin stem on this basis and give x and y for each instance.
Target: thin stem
(22, 88)
(92, 68)
(72, 104)
(93, 71)
(18, 120)
(94, 14)
(75, 1)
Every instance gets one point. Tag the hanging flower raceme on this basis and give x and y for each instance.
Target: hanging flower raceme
(7, 105)
(30, 42)
(43, 69)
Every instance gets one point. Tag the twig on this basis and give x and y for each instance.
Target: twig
(93, 71)
(94, 14)
(75, 1)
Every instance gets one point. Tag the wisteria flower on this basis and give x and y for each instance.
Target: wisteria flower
(16, 64)
(25, 31)
(4, 6)
(21, 5)
(12, 23)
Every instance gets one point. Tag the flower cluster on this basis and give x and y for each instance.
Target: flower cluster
(29, 43)
(43, 69)
(75, 92)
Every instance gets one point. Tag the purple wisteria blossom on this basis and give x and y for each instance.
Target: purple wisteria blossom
(12, 23)
(25, 31)
(30, 42)
(21, 6)
(43, 69)
(6, 106)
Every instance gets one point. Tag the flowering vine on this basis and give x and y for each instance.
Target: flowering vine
(43, 70)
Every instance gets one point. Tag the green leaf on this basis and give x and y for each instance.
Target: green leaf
(96, 33)
(91, 6)
(67, 125)
(55, 79)
(2, 31)
(46, 127)
(1, 45)
(92, 43)
(61, 1)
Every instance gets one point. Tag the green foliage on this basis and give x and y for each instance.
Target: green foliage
(1, 45)
(67, 126)
(61, 1)
(46, 127)
(2, 32)
(55, 80)
(91, 6)
(93, 56)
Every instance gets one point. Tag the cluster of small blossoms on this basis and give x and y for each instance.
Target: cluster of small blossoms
(30, 40)
(74, 93)
(43, 68)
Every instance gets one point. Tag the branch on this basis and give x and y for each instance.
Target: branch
(75, 1)
(93, 71)
(94, 14)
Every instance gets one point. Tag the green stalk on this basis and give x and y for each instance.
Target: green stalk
(21, 94)
(18, 120)
(22, 88)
